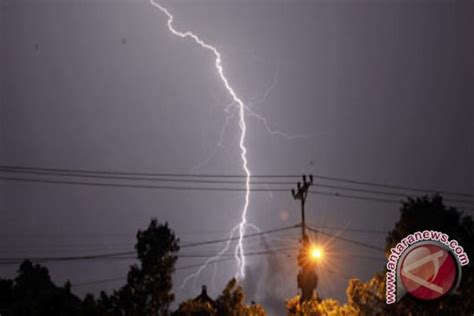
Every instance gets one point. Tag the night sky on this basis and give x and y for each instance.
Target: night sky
(377, 91)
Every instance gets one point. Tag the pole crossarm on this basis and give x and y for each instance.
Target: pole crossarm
(307, 279)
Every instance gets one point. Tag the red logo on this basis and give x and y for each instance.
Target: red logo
(428, 272)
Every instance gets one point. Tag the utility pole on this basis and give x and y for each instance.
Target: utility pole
(307, 279)
(301, 195)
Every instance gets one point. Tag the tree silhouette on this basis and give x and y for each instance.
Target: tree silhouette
(33, 293)
(430, 213)
(149, 284)
(419, 214)
(157, 248)
(368, 298)
(147, 291)
(318, 307)
(230, 303)
(6, 296)
(195, 308)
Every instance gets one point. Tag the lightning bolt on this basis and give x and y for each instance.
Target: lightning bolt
(269, 89)
(262, 119)
(210, 260)
(239, 249)
(250, 104)
(220, 143)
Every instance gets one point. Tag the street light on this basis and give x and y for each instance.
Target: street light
(316, 252)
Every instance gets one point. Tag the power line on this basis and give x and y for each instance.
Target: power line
(122, 278)
(146, 174)
(271, 231)
(398, 187)
(191, 266)
(126, 255)
(378, 192)
(356, 197)
(184, 175)
(349, 229)
(205, 181)
(343, 229)
(120, 255)
(187, 181)
(196, 188)
(352, 241)
(137, 186)
(15, 261)
(207, 188)
(152, 178)
(182, 188)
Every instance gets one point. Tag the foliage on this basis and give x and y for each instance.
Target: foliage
(367, 298)
(148, 288)
(195, 308)
(33, 293)
(147, 292)
(317, 307)
(362, 299)
(423, 213)
(431, 213)
(230, 303)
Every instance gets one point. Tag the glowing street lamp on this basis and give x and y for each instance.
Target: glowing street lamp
(316, 253)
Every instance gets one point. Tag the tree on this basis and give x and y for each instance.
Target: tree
(368, 298)
(430, 213)
(195, 308)
(419, 214)
(6, 295)
(230, 303)
(33, 293)
(147, 291)
(149, 284)
(318, 307)
(90, 306)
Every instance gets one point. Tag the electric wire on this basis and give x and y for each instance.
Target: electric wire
(120, 255)
(198, 188)
(348, 240)
(184, 175)
(212, 181)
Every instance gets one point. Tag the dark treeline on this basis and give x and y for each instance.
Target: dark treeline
(148, 290)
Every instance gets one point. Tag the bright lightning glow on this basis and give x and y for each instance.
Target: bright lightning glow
(239, 249)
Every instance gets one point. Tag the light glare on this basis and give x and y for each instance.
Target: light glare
(316, 253)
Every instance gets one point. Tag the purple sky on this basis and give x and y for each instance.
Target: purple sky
(380, 91)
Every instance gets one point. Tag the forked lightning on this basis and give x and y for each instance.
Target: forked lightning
(239, 249)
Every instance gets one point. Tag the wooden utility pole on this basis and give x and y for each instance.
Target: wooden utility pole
(300, 194)
(307, 279)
